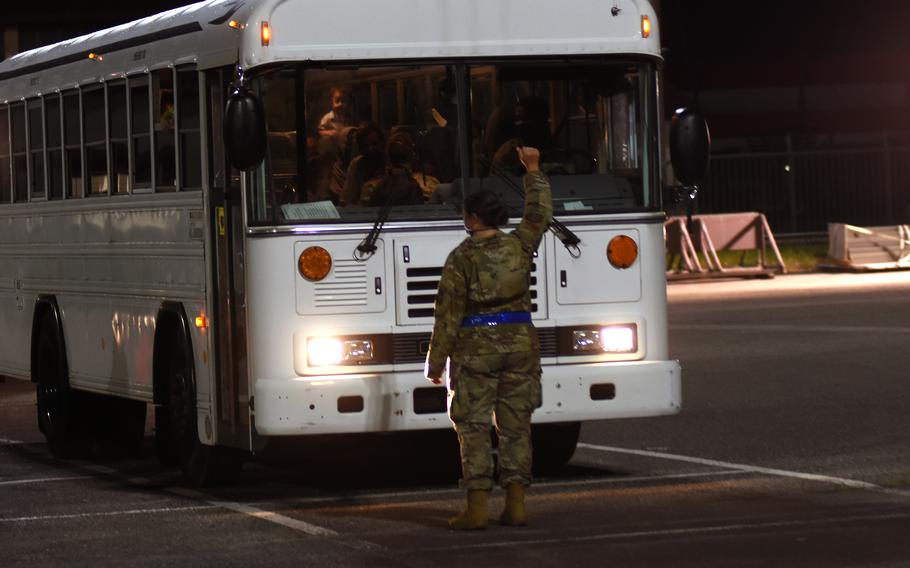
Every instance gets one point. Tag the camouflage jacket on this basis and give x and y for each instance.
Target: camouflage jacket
(491, 275)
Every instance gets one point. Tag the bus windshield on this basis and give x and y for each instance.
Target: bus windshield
(344, 141)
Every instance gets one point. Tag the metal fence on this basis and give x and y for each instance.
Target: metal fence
(804, 191)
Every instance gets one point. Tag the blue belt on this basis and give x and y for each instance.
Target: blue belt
(491, 320)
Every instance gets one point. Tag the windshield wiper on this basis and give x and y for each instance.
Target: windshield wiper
(569, 239)
(367, 246)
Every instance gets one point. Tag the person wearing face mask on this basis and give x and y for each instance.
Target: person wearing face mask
(368, 164)
(483, 332)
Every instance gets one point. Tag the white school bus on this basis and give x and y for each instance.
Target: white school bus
(295, 296)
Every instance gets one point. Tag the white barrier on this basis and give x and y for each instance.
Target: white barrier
(868, 248)
(720, 232)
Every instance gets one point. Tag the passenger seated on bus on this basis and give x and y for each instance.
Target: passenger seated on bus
(333, 121)
(397, 185)
(368, 162)
(525, 124)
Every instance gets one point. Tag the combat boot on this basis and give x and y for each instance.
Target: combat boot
(514, 512)
(475, 516)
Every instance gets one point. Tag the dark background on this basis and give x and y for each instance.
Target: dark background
(807, 101)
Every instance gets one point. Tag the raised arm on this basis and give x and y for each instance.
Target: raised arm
(449, 308)
(538, 210)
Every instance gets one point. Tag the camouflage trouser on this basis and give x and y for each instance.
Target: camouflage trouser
(504, 384)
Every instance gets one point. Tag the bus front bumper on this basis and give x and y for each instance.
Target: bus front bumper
(387, 402)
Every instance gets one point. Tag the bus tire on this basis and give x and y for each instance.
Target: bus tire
(553, 445)
(57, 405)
(177, 423)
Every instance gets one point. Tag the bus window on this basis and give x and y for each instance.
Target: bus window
(141, 132)
(165, 151)
(5, 189)
(72, 141)
(54, 138)
(358, 138)
(93, 124)
(188, 125)
(36, 146)
(20, 153)
(588, 120)
(119, 152)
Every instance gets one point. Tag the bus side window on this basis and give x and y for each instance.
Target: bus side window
(36, 146)
(188, 128)
(163, 116)
(20, 153)
(5, 181)
(141, 137)
(93, 126)
(72, 140)
(119, 152)
(54, 137)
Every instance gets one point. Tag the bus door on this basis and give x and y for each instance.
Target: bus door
(225, 209)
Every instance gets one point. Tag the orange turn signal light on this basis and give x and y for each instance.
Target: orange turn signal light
(622, 251)
(202, 322)
(314, 263)
(265, 33)
(645, 27)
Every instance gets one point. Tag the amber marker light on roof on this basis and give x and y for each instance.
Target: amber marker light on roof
(234, 24)
(95, 56)
(266, 33)
(645, 27)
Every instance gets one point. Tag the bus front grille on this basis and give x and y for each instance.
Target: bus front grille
(413, 347)
(423, 282)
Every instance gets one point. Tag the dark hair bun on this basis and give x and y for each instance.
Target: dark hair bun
(486, 205)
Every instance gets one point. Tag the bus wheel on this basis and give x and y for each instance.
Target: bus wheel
(176, 423)
(56, 402)
(554, 445)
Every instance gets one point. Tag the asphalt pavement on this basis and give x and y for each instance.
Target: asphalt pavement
(793, 449)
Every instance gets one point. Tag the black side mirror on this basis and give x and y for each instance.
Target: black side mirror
(690, 146)
(244, 130)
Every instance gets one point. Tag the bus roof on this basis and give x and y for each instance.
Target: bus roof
(334, 30)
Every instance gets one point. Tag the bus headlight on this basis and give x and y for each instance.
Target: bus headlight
(324, 351)
(620, 338)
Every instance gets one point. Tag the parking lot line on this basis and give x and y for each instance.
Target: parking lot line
(841, 481)
(106, 514)
(348, 499)
(687, 531)
(792, 328)
(42, 480)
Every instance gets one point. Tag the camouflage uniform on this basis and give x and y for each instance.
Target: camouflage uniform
(494, 369)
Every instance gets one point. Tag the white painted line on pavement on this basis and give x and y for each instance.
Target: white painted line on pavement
(756, 304)
(792, 328)
(107, 514)
(256, 512)
(842, 481)
(369, 497)
(712, 529)
(42, 480)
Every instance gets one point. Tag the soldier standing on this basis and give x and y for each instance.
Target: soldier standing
(483, 325)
